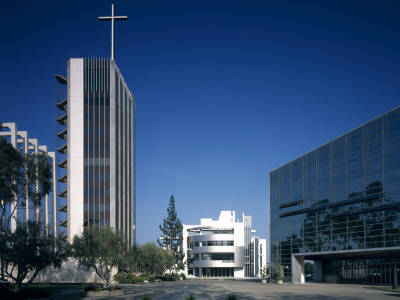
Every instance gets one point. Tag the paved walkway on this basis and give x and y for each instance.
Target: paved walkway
(249, 290)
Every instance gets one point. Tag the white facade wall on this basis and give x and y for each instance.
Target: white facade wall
(260, 255)
(196, 235)
(263, 254)
(75, 148)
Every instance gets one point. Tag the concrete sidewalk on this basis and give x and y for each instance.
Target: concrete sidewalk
(243, 289)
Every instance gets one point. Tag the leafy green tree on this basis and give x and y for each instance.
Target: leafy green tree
(276, 271)
(28, 250)
(132, 260)
(154, 260)
(171, 237)
(21, 178)
(165, 260)
(101, 249)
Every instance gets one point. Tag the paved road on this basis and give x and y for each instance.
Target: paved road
(220, 290)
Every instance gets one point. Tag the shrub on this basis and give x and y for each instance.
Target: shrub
(191, 297)
(152, 279)
(138, 280)
(276, 271)
(113, 288)
(145, 275)
(119, 277)
(231, 297)
(130, 278)
(146, 298)
(91, 288)
(173, 276)
(183, 276)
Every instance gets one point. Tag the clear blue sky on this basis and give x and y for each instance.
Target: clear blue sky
(226, 91)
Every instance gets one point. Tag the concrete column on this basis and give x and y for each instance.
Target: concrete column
(318, 274)
(298, 269)
(54, 193)
(35, 148)
(46, 197)
(13, 136)
(75, 162)
(24, 136)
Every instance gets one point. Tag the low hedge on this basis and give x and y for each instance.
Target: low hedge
(131, 278)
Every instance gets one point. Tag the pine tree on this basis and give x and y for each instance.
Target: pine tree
(171, 237)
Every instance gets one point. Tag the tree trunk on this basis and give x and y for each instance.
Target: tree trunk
(18, 285)
(107, 281)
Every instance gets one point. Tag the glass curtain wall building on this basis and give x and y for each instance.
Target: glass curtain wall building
(339, 205)
(100, 117)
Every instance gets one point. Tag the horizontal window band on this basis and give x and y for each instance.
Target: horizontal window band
(366, 210)
(292, 203)
(330, 205)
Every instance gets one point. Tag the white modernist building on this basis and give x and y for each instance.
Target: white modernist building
(223, 248)
(97, 120)
(25, 210)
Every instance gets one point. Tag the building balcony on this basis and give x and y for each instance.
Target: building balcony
(61, 79)
(63, 164)
(63, 208)
(63, 149)
(63, 134)
(63, 194)
(218, 264)
(63, 223)
(211, 237)
(63, 119)
(62, 105)
(217, 249)
(63, 178)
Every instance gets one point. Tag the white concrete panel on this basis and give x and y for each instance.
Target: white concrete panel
(239, 234)
(75, 148)
(238, 272)
(298, 269)
(75, 118)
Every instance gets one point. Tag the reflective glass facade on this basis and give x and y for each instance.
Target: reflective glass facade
(97, 142)
(343, 198)
(109, 151)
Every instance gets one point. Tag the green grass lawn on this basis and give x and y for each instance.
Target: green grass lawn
(383, 288)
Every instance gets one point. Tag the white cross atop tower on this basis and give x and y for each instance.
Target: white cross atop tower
(113, 18)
